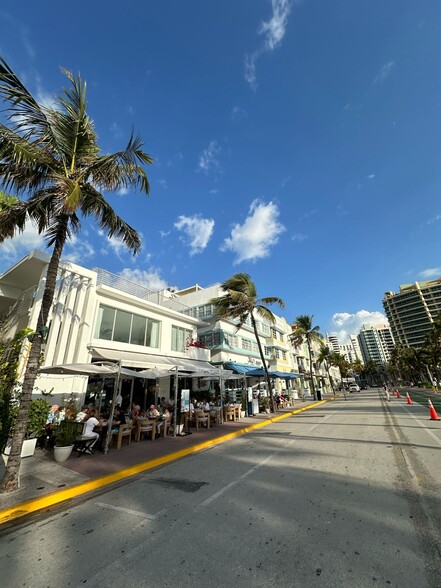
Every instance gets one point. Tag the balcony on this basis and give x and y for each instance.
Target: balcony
(105, 278)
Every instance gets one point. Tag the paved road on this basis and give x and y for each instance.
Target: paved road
(342, 495)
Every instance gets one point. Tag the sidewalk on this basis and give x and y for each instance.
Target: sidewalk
(41, 476)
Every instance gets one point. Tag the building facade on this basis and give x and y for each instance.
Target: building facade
(95, 316)
(412, 311)
(376, 343)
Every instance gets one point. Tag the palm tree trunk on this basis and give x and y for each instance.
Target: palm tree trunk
(10, 479)
(329, 377)
(262, 357)
(310, 369)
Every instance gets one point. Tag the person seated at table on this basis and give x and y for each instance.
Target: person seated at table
(82, 414)
(154, 413)
(135, 412)
(163, 403)
(119, 418)
(91, 422)
(207, 406)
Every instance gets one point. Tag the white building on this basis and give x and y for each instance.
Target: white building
(97, 315)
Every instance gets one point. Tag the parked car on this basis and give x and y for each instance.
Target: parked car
(354, 388)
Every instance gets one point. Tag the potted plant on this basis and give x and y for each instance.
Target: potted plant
(65, 434)
(38, 416)
(265, 402)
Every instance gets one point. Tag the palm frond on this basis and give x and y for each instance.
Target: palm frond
(26, 115)
(265, 313)
(12, 220)
(122, 169)
(273, 300)
(24, 165)
(93, 203)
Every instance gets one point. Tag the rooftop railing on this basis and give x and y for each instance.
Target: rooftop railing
(105, 278)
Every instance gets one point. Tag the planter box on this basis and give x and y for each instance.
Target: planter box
(27, 449)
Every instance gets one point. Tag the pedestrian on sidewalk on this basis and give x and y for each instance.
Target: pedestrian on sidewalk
(344, 392)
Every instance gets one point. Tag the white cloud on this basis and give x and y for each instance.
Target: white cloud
(12, 250)
(197, 231)
(122, 191)
(384, 72)
(431, 272)
(115, 245)
(77, 250)
(238, 113)
(370, 176)
(208, 160)
(163, 184)
(299, 237)
(435, 219)
(344, 324)
(250, 69)
(273, 31)
(253, 239)
(150, 278)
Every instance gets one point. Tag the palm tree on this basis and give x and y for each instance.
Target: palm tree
(50, 155)
(324, 357)
(304, 331)
(239, 303)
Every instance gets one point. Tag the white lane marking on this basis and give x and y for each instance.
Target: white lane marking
(321, 422)
(233, 483)
(423, 425)
(137, 513)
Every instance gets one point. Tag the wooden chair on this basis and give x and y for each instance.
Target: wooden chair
(165, 426)
(229, 413)
(216, 416)
(201, 418)
(124, 431)
(144, 426)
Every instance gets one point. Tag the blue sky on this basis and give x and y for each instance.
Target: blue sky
(295, 141)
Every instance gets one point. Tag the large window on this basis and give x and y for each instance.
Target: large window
(211, 340)
(125, 327)
(180, 337)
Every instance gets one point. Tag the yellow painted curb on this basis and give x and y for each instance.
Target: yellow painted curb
(25, 508)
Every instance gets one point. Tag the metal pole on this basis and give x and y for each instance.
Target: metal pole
(112, 409)
(221, 395)
(175, 406)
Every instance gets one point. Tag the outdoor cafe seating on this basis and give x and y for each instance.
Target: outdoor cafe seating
(145, 426)
(123, 431)
(202, 418)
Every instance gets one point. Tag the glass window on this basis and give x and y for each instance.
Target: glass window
(138, 330)
(180, 337)
(104, 326)
(123, 323)
(152, 338)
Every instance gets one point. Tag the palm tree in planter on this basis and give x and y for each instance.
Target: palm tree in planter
(303, 330)
(240, 303)
(50, 155)
(324, 357)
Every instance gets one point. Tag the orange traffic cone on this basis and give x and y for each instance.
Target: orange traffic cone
(433, 414)
(398, 394)
(409, 399)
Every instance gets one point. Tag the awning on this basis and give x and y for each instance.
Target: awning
(88, 369)
(240, 368)
(148, 360)
(260, 372)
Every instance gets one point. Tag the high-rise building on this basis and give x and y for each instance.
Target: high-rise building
(333, 343)
(412, 311)
(356, 347)
(376, 343)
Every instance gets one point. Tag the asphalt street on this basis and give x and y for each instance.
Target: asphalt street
(345, 494)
